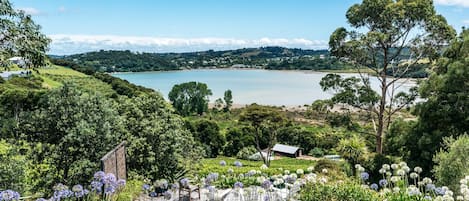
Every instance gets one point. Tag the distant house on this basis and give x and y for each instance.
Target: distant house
(286, 150)
(8, 74)
(18, 61)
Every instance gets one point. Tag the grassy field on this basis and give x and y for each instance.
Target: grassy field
(59, 70)
(209, 165)
(47, 74)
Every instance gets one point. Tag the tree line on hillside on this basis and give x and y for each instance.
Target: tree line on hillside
(272, 58)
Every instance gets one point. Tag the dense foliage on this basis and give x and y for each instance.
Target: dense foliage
(274, 58)
(21, 37)
(66, 130)
(190, 98)
(452, 161)
(445, 111)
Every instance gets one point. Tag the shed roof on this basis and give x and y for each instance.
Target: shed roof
(285, 148)
(15, 58)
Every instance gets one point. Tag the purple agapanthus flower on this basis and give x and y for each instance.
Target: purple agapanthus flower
(109, 179)
(238, 164)
(109, 189)
(383, 182)
(222, 163)
(266, 184)
(238, 185)
(374, 186)
(430, 187)
(167, 195)
(96, 186)
(364, 176)
(146, 187)
(289, 179)
(121, 183)
(153, 194)
(9, 195)
(184, 182)
(440, 191)
(99, 176)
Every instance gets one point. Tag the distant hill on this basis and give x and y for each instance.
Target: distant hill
(272, 58)
(263, 57)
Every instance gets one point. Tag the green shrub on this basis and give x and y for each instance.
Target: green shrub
(316, 152)
(245, 152)
(13, 167)
(452, 162)
(132, 190)
(333, 192)
(374, 163)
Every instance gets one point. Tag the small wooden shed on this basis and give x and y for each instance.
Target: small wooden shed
(286, 150)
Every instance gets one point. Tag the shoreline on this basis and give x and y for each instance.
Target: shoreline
(345, 71)
(291, 108)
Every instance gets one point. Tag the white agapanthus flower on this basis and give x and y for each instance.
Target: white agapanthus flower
(300, 171)
(427, 180)
(386, 167)
(323, 180)
(414, 175)
(400, 172)
(463, 181)
(418, 169)
(382, 171)
(357, 166)
(406, 169)
(361, 169)
(395, 179)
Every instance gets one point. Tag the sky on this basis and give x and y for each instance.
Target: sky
(77, 26)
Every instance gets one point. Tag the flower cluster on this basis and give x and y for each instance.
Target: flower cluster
(222, 163)
(401, 179)
(106, 182)
(254, 183)
(238, 164)
(9, 195)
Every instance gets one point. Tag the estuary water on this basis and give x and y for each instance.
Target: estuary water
(266, 87)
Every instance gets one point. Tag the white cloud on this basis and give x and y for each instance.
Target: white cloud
(466, 22)
(463, 3)
(31, 11)
(69, 44)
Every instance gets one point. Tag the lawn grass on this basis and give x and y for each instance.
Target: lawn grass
(277, 166)
(59, 70)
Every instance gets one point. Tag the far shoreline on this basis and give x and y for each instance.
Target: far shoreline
(345, 71)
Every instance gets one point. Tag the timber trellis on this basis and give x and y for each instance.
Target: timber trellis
(114, 162)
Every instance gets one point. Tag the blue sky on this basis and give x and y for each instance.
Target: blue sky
(190, 25)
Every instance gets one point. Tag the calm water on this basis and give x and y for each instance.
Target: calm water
(289, 88)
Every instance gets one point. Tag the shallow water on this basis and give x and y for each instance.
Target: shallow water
(267, 87)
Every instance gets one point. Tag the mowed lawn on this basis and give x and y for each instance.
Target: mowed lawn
(277, 166)
(59, 70)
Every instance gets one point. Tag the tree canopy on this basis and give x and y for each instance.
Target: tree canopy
(190, 98)
(382, 31)
(446, 109)
(21, 36)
